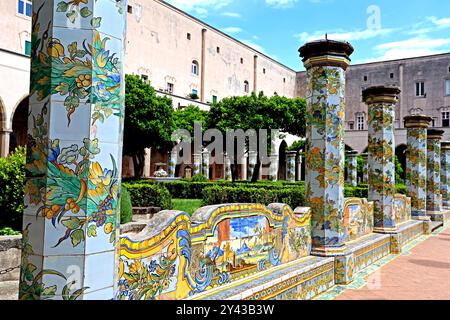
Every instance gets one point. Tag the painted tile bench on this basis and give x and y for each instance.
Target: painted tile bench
(248, 252)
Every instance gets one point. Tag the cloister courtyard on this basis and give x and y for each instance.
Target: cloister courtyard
(109, 191)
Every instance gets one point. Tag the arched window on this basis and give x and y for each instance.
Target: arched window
(195, 68)
(246, 87)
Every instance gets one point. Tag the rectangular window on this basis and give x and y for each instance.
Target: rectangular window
(351, 126)
(214, 99)
(360, 119)
(446, 119)
(420, 89)
(24, 8)
(28, 48)
(447, 87)
(169, 88)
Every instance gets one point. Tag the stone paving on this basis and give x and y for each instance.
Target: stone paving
(421, 272)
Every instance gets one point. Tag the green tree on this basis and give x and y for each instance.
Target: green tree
(184, 118)
(148, 121)
(259, 112)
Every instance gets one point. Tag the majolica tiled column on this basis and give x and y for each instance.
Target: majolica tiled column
(352, 168)
(445, 174)
(365, 177)
(290, 161)
(206, 155)
(252, 160)
(381, 105)
(173, 158)
(197, 164)
(325, 62)
(434, 205)
(299, 166)
(416, 164)
(72, 194)
(227, 164)
(274, 165)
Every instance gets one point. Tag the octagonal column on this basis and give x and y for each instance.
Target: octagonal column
(173, 158)
(227, 164)
(197, 163)
(73, 170)
(290, 161)
(416, 164)
(352, 168)
(381, 103)
(325, 62)
(434, 205)
(252, 160)
(299, 166)
(365, 177)
(445, 174)
(206, 156)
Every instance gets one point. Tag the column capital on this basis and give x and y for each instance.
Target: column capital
(326, 53)
(445, 145)
(380, 94)
(417, 121)
(352, 153)
(291, 153)
(434, 134)
(365, 155)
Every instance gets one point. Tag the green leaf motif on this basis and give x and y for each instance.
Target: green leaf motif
(85, 12)
(72, 16)
(77, 236)
(62, 7)
(72, 223)
(96, 22)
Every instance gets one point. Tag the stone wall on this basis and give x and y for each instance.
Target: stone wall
(10, 253)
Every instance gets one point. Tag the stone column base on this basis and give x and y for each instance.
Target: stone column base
(437, 216)
(343, 262)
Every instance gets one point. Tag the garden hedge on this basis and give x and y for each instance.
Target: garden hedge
(293, 196)
(149, 195)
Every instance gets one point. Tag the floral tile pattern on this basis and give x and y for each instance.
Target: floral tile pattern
(325, 153)
(74, 153)
(433, 175)
(445, 176)
(416, 170)
(381, 163)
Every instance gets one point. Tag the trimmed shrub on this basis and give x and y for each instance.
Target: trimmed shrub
(149, 195)
(12, 180)
(7, 231)
(126, 208)
(295, 197)
(401, 188)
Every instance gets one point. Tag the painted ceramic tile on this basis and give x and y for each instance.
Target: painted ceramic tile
(416, 170)
(433, 175)
(381, 163)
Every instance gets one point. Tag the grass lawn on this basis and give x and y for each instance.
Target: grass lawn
(187, 205)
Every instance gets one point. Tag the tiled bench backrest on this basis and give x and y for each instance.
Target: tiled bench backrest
(402, 207)
(358, 218)
(176, 256)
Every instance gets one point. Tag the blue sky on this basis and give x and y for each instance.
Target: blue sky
(379, 29)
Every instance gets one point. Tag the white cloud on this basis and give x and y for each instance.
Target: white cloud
(232, 14)
(281, 3)
(253, 45)
(345, 35)
(414, 47)
(200, 7)
(232, 30)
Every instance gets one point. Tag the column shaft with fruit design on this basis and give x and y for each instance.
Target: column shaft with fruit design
(73, 170)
